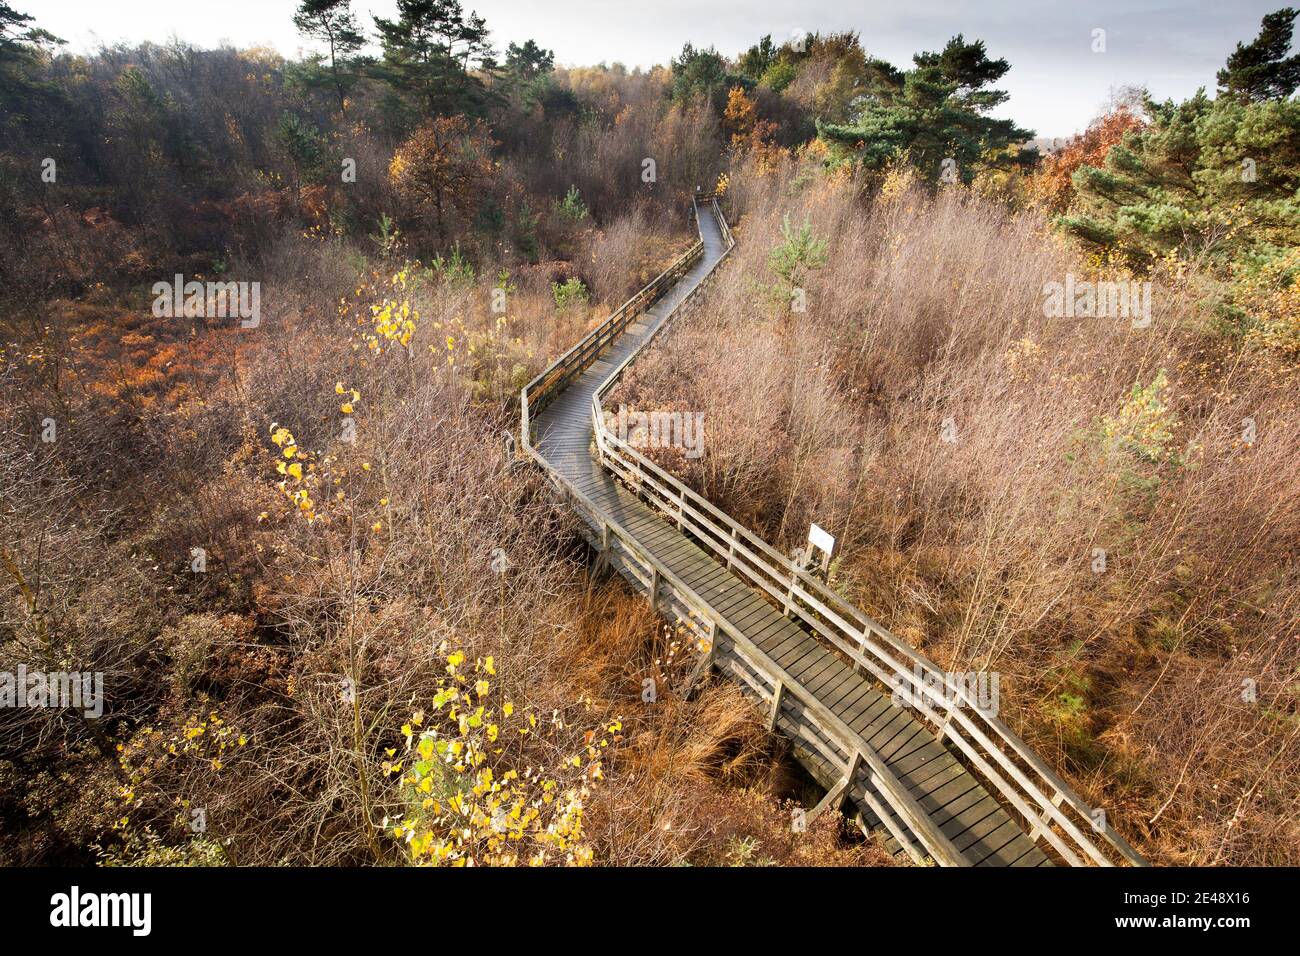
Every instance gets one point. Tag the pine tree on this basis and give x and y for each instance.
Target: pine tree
(333, 23)
(429, 51)
(1213, 179)
(526, 70)
(758, 59)
(1261, 70)
(23, 49)
(528, 62)
(936, 114)
(700, 73)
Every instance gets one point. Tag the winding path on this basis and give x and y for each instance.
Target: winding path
(896, 743)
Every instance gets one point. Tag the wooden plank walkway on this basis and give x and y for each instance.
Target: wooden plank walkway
(955, 800)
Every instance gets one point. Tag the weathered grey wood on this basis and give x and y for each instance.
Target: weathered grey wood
(836, 794)
(776, 707)
(694, 563)
(705, 662)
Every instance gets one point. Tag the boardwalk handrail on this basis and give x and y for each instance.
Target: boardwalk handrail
(945, 703)
(826, 721)
(539, 391)
(981, 737)
(537, 394)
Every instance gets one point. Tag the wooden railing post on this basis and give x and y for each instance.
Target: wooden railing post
(839, 791)
(789, 594)
(775, 712)
(604, 562)
(525, 436)
(1053, 811)
(706, 661)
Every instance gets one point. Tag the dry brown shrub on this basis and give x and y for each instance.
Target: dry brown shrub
(980, 550)
(165, 447)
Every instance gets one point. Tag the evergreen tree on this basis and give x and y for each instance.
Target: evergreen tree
(758, 59)
(305, 152)
(1190, 181)
(1213, 179)
(528, 62)
(333, 23)
(936, 114)
(526, 71)
(24, 49)
(1261, 70)
(429, 51)
(700, 73)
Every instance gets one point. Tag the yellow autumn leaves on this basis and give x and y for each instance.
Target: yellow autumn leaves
(1145, 423)
(204, 740)
(349, 403)
(463, 808)
(1271, 300)
(298, 469)
(382, 310)
(392, 319)
(295, 483)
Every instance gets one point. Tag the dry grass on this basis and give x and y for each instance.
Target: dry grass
(164, 446)
(981, 550)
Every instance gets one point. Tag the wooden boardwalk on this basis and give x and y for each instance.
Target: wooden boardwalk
(764, 623)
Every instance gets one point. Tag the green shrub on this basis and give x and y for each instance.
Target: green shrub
(571, 207)
(778, 76)
(455, 270)
(798, 254)
(149, 850)
(571, 292)
(526, 233)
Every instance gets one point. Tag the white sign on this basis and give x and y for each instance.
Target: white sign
(821, 540)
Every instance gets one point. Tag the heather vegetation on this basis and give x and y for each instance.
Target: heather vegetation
(1103, 509)
(340, 622)
(336, 622)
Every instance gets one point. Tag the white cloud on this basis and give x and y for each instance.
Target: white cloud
(1056, 82)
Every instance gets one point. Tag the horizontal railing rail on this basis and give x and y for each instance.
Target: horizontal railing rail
(1036, 792)
(539, 392)
(1042, 798)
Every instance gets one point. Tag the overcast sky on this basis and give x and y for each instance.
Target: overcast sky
(1057, 83)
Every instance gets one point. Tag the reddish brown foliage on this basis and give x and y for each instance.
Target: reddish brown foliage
(1051, 186)
(443, 166)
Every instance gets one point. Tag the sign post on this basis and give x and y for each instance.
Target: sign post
(824, 542)
(818, 540)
